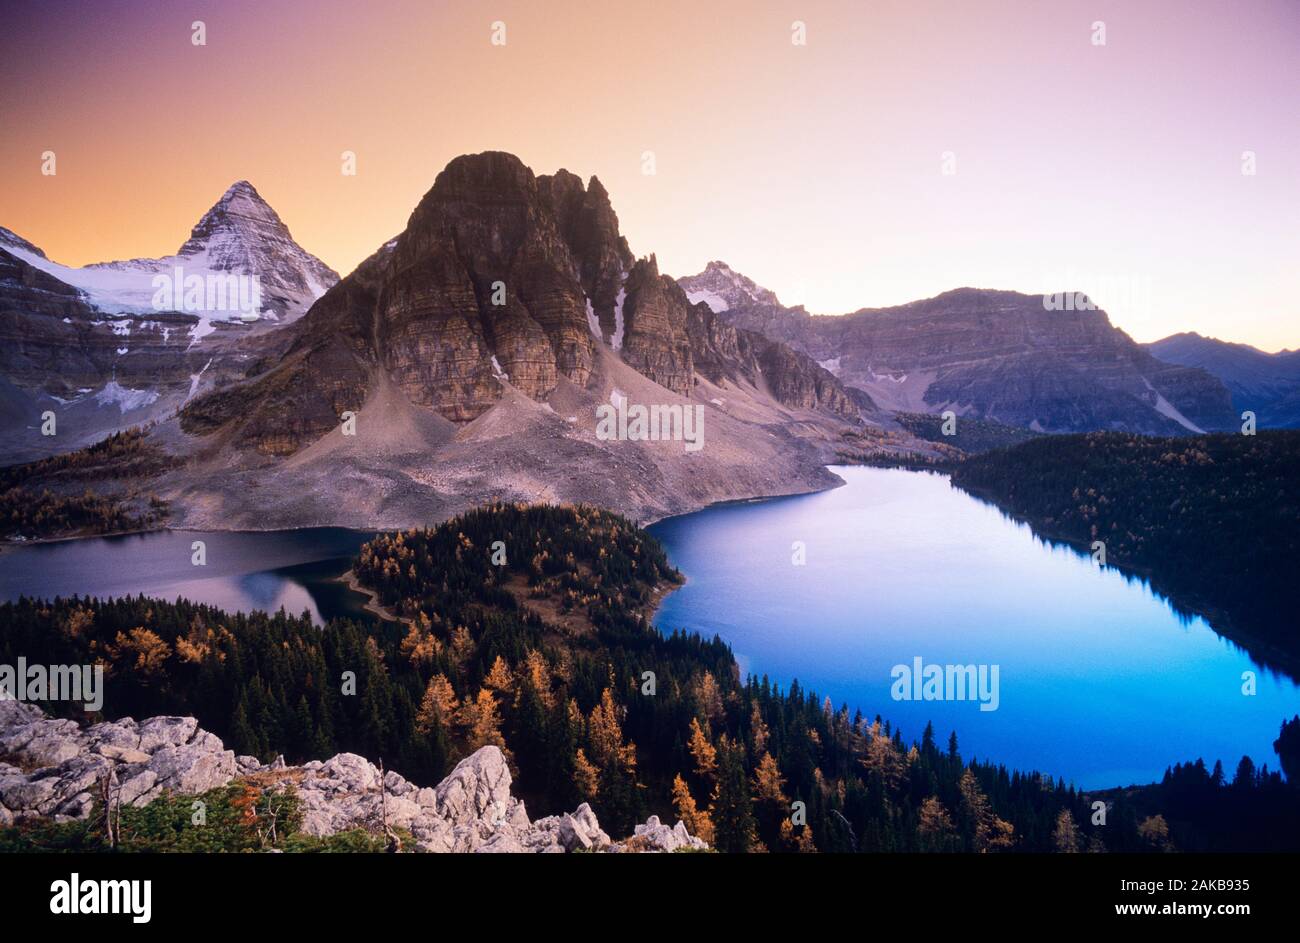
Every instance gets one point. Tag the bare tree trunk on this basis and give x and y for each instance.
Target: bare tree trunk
(108, 796)
(394, 845)
(117, 803)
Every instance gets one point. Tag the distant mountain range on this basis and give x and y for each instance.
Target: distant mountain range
(474, 351)
(475, 348)
(996, 355)
(1266, 384)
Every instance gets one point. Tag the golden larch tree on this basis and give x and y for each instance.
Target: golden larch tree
(702, 751)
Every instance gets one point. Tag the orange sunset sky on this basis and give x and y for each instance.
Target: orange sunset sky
(816, 169)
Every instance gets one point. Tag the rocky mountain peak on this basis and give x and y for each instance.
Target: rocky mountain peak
(11, 240)
(239, 235)
(503, 282)
(241, 221)
(242, 213)
(1267, 384)
(490, 177)
(242, 234)
(722, 288)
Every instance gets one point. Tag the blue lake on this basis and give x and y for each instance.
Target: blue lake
(1101, 681)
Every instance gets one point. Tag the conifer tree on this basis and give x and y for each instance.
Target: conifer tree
(696, 820)
(586, 778)
(1065, 837)
(703, 752)
(733, 819)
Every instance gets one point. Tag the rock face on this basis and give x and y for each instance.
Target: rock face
(52, 768)
(996, 355)
(501, 280)
(482, 271)
(656, 342)
(587, 221)
(726, 353)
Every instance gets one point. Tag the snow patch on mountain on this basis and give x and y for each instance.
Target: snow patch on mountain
(1169, 410)
(195, 380)
(617, 340)
(200, 330)
(114, 394)
(710, 298)
(722, 288)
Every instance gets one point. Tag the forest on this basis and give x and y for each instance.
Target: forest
(528, 627)
(48, 498)
(1213, 520)
(970, 434)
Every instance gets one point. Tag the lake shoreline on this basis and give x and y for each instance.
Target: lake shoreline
(779, 624)
(9, 542)
(1260, 651)
(372, 605)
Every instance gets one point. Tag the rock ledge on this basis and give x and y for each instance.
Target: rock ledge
(51, 768)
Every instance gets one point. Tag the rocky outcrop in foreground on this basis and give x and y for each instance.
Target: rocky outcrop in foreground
(52, 769)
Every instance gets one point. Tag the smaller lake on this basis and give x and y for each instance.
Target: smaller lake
(292, 569)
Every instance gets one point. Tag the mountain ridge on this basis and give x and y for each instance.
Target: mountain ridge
(999, 355)
(1267, 384)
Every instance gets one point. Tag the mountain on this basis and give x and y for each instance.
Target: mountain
(722, 288)
(241, 235)
(99, 373)
(474, 352)
(996, 355)
(89, 344)
(1266, 384)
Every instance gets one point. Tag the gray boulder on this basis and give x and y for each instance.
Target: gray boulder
(53, 769)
